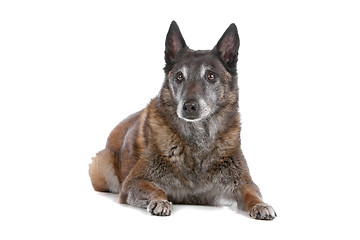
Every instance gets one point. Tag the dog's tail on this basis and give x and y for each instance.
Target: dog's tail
(103, 170)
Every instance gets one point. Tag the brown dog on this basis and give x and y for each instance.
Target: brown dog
(184, 147)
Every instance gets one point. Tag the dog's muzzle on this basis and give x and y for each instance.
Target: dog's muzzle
(193, 110)
(190, 110)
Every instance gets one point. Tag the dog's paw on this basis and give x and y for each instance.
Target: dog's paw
(160, 207)
(262, 211)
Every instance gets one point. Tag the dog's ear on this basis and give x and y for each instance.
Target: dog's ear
(174, 43)
(228, 46)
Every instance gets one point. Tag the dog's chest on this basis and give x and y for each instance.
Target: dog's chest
(197, 181)
(185, 172)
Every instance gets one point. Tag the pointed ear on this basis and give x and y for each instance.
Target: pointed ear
(228, 46)
(174, 43)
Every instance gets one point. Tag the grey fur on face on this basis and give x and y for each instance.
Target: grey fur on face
(194, 87)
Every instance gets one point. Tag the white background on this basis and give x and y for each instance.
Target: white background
(71, 70)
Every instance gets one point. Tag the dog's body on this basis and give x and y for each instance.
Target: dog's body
(184, 147)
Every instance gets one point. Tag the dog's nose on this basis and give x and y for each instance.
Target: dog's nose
(191, 107)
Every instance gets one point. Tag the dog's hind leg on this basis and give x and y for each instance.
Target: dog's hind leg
(103, 170)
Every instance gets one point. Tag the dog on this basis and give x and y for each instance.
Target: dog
(184, 147)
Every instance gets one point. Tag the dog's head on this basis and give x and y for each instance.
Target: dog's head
(200, 82)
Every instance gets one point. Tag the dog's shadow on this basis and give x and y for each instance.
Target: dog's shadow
(110, 196)
(114, 198)
(235, 209)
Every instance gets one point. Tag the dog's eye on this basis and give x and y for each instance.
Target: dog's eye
(211, 77)
(179, 77)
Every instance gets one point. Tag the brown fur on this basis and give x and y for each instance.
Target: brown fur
(154, 158)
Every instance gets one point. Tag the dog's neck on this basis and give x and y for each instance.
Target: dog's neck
(200, 134)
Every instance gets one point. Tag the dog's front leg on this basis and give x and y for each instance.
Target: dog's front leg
(142, 193)
(250, 196)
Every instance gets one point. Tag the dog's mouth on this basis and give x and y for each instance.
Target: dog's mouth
(191, 119)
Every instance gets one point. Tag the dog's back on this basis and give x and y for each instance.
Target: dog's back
(109, 167)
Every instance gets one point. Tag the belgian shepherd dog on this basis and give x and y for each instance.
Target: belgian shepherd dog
(184, 147)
